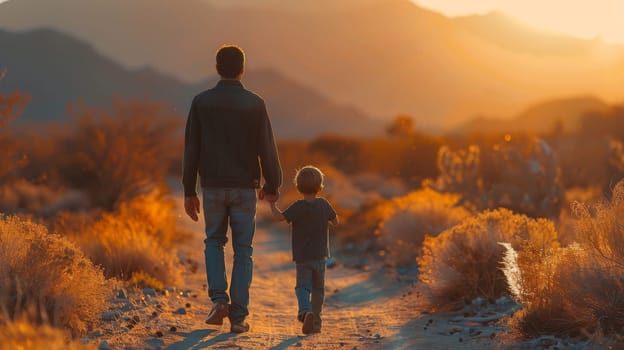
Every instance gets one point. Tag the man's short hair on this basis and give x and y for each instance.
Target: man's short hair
(309, 180)
(230, 61)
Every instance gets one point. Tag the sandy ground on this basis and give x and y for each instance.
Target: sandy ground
(366, 307)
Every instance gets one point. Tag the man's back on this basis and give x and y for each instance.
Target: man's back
(228, 131)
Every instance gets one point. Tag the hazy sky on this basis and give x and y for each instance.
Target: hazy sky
(582, 18)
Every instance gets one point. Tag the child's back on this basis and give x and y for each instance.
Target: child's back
(309, 218)
(310, 232)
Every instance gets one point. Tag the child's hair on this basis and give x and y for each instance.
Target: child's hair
(309, 180)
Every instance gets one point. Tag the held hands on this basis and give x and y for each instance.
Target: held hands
(272, 198)
(191, 206)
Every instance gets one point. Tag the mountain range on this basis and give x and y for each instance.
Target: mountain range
(560, 115)
(384, 56)
(57, 70)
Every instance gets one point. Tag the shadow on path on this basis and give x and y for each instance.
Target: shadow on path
(286, 343)
(193, 340)
(377, 286)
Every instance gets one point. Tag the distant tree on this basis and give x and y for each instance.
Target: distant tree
(403, 125)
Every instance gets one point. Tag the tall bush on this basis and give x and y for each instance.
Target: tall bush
(115, 156)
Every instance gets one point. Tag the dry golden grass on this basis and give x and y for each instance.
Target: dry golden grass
(410, 218)
(46, 279)
(464, 262)
(21, 335)
(137, 238)
(600, 227)
(576, 290)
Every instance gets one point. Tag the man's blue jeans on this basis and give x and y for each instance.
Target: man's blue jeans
(236, 207)
(310, 289)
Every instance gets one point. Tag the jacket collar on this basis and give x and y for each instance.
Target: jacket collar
(229, 82)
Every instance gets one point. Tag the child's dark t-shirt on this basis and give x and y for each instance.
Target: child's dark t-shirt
(310, 234)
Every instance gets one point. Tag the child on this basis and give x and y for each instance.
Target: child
(310, 244)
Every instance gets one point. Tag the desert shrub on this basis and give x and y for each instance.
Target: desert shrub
(11, 106)
(576, 290)
(565, 291)
(362, 226)
(387, 188)
(411, 158)
(592, 156)
(46, 279)
(156, 211)
(542, 279)
(600, 227)
(413, 216)
(523, 179)
(135, 238)
(22, 196)
(464, 262)
(24, 335)
(566, 226)
(116, 156)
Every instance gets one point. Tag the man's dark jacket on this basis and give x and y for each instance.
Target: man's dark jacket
(228, 138)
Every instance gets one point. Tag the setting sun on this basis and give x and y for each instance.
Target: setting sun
(585, 19)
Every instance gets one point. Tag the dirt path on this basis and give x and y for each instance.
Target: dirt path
(374, 308)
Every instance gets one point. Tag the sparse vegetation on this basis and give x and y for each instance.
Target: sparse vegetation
(575, 290)
(116, 156)
(464, 262)
(101, 184)
(11, 106)
(410, 157)
(134, 242)
(47, 279)
(412, 217)
(524, 181)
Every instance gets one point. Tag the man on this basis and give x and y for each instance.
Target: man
(229, 141)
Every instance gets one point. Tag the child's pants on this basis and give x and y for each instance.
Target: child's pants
(310, 289)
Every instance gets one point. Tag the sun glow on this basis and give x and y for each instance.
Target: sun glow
(584, 19)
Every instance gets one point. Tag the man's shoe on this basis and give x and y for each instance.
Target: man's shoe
(218, 313)
(239, 327)
(317, 324)
(308, 323)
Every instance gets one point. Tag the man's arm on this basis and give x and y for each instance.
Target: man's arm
(269, 159)
(277, 214)
(191, 163)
